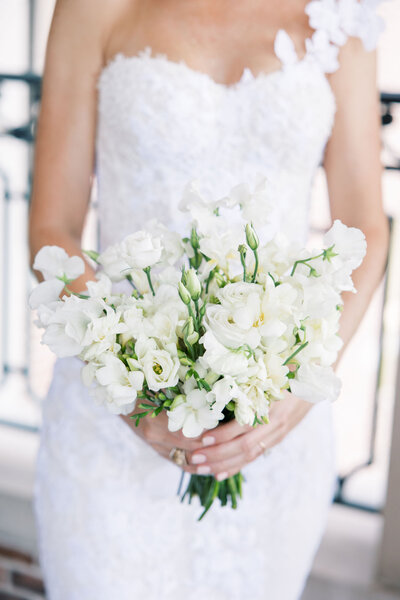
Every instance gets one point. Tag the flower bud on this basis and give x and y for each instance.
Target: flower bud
(192, 338)
(188, 327)
(242, 251)
(183, 293)
(193, 284)
(251, 237)
(194, 239)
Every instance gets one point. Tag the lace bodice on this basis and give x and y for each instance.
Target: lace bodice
(162, 123)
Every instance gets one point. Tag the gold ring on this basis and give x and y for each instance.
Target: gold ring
(178, 456)
(263, 446)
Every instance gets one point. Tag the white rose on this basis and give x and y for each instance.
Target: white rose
(141, 250)
(54, 262)
(221, 322)
(159, 366)
(243, 302)
(315, 383)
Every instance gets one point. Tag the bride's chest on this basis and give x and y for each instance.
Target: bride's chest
(152, 106)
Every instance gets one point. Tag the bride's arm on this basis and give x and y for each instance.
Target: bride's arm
(65, 144)
(353, 168)
(354, 171)
(64, 151)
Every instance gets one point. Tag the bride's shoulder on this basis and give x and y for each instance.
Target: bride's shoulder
(95, 17)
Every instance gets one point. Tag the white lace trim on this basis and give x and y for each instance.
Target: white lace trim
(334, 22)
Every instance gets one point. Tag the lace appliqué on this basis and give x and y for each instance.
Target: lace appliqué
(336, 20)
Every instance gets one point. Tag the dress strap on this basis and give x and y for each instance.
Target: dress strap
(335, 21)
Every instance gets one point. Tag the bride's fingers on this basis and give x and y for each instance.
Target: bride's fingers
(224, 433)
(243, 449)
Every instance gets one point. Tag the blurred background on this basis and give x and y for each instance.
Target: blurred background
(359, 557)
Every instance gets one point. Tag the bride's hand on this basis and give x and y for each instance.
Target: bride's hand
(228, 448)
(155, 432)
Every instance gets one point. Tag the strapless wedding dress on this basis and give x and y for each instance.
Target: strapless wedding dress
(110, 523)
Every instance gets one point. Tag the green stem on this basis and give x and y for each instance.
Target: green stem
(304, 261)
(295, 352)
(71, 293)
(147, 271)
(255, 267)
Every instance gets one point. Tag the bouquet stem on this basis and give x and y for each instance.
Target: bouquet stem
(207, 488)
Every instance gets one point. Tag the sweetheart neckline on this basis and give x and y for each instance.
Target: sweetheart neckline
(247, 74)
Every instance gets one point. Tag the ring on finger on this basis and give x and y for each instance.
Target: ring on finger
(178, 456)
(264, 448)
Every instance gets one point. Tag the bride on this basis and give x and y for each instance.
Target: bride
(142, 96)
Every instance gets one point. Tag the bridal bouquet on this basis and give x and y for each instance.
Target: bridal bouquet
(209, 328)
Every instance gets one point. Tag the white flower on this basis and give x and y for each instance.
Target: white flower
(46, 293)
(201, 210)
(67, 325)
(101, 331)
(223, 325)
(350, 244)
(324, 15)
(45, 313)
(195, 413)
(276, 257)
(220, 359)
(113, 263)
(315, 383)
(100, 288)
(360, 19)
(276, 375)
(321, 49)
(172, 246)
(160, 367)
(323, 340)
(242, 300)
(244, 409)
(221, 248)
(279, 309)
(134, 321)
(122, 385)
(141, 249)
(54, 262)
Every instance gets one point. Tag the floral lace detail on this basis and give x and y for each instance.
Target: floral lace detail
(334, 21)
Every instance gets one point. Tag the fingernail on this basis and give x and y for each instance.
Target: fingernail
(222, 476)
(204, 470)
(208, 440)
(198, 458)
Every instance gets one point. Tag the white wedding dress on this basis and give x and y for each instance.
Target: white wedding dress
(110, 523)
